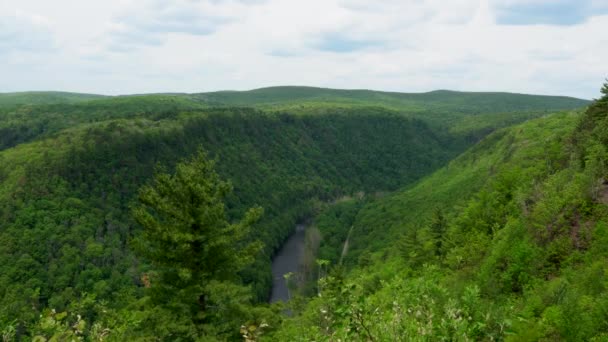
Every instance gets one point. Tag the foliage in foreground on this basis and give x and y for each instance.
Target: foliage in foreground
(195, 254)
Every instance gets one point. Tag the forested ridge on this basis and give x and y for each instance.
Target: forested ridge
(26, 116)
(71, 172)
(506, 242)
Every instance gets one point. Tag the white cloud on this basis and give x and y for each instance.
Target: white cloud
(128, 46)
(149, 23)
(24, 32)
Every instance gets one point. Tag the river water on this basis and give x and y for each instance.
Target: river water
(288, 259)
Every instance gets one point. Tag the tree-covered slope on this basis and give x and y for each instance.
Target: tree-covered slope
(461, 102)
(27, 116)
(25, 123)
(449, 187)
(507, 242)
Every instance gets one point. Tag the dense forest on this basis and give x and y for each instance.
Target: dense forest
(155, 217)
(506, 242)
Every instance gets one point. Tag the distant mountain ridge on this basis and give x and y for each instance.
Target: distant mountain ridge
(267, 94)
(44, 97)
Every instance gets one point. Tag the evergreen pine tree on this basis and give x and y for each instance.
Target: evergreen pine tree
(187, 238)
(438, 227)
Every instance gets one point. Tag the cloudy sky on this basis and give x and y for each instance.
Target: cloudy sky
(141, 46)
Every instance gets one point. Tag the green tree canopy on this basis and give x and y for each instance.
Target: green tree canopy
(187, 238)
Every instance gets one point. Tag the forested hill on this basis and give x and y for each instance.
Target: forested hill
(71, 167)
(43, 97)
(29, 115)
(444, 100)
(507, 242)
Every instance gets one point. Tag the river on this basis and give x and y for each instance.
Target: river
(288, 259)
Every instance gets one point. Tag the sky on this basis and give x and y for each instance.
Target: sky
(556, 47)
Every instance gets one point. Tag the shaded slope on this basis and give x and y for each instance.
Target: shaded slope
(26, 123)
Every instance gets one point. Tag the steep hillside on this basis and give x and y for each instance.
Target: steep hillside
(507, 242)
(448, 189)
